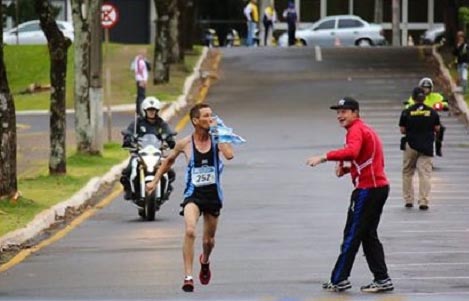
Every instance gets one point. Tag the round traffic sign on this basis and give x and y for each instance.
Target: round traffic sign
(109, 15)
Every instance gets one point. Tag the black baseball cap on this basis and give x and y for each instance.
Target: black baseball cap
(346, 103)
(418, 94)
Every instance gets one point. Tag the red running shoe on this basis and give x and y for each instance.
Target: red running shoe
(188, 285)
(204, 275)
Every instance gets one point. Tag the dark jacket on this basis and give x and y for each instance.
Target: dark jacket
(160, 129)
(419, 122)
(461, 53)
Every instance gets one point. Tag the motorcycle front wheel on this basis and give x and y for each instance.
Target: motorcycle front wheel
(150, 207)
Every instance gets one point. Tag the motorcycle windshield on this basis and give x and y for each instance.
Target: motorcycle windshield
(149, 144)
(148, 139)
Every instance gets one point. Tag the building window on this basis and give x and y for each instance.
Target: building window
(337, 7)
(310, 10)
(418, 10)
(365, 9)
(439, 9)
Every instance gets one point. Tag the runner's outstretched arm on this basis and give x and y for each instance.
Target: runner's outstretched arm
(166, 165)
(227, 150)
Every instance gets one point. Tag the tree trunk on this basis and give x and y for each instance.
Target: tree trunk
(160, 57)
(378, 15)
(81, 12)
(188, 31)
(182, 19)
(58, 47)
(8, 181)
(96, 72)
(451, 17)
(174, 49)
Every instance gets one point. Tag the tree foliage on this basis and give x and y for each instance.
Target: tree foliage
(26, 11)
(161, 53)
(451, 20)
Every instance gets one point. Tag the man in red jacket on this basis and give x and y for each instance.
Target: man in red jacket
(364, 151)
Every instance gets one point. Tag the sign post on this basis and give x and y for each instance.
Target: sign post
(109, 18)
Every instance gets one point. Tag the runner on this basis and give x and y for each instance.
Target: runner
(203, 195)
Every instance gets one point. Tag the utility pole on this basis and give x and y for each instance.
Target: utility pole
(96, 86)
(405, 22)
(396, 37)
(378, 15)
(17, 16)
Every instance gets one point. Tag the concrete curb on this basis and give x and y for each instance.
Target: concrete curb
(460, 102)
(49, 216)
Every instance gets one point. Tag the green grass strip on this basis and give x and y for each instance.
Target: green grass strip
(44, 191)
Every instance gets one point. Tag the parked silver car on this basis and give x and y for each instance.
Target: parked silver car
(31, 33)
(343, 30)
(434, 35)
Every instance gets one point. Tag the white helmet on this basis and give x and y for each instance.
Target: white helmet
(426, 82)
(150, 103)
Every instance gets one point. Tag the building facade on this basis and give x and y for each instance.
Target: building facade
(416, 15)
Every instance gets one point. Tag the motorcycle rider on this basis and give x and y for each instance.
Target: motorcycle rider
(148, 122)
(432, 100)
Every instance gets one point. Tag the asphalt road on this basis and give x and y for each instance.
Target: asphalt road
(282, 221)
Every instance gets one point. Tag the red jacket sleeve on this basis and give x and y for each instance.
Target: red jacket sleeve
(351, 149)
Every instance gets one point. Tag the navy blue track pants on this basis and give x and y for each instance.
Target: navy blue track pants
(366, 206)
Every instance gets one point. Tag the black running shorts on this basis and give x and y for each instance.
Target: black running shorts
(212, 207)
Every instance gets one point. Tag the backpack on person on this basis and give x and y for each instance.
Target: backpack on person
(134, 63)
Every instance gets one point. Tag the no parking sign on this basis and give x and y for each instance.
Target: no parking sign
(109, 15)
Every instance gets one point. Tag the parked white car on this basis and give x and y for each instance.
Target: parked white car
(434, 35)
(343, 30)
(31, 33)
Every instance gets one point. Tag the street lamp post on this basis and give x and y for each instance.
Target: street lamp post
(17, 16)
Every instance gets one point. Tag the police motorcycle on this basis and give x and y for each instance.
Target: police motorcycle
(232, 38)
(147, 154)
(211, 38)
(256, 40)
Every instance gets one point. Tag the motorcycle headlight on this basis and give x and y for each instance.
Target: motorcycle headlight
(150, 162)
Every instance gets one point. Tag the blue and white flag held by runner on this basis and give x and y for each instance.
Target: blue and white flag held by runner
(225, 134)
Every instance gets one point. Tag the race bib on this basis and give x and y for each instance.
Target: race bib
(203, 176)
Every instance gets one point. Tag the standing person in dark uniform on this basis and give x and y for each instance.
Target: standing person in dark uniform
(203, 194)
(418, 123)
(363, 148)
(291, 17)
(461, 52)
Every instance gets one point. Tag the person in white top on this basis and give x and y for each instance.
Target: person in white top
(141, 77)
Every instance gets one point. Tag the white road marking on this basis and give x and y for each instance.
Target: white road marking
(318, 53)
(436, 231)
(428, 253)
(431, 278)
(397, 265)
